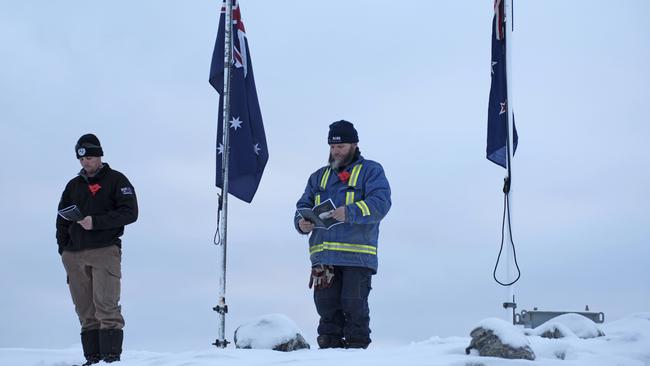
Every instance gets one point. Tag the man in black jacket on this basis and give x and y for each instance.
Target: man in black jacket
(91, 251)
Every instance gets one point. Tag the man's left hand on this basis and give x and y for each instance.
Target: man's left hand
(339, 214)
(86, 222)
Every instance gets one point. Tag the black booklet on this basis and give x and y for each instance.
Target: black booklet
(71, 213)
(320, 215)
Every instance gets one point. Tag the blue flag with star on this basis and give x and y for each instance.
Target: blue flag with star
(497, 134)
(248, 150)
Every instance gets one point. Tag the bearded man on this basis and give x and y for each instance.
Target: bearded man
(344, 257)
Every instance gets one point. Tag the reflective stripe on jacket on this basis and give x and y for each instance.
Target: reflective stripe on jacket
(366, 196)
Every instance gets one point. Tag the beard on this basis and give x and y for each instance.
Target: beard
(335, 164)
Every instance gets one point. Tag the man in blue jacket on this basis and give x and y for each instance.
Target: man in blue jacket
(344, 257)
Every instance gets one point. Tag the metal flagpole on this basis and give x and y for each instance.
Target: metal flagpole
(221, 307)
(509, 25)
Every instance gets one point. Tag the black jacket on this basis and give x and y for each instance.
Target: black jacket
(109, 198)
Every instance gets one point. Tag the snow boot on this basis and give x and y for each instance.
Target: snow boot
(328, 341)
(110, 344)
(357, 343)
(90, 344)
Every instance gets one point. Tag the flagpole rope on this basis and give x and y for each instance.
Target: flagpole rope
(506, 208)
(217, 236)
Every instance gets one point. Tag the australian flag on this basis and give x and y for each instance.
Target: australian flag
(248, 150)
(498, 106)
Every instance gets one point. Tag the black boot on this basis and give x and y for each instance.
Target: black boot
(357, 342)
(328, 341)
(90, 344)
(110, 344)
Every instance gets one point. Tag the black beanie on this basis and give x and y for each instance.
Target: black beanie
(88, 145)
(342, 132)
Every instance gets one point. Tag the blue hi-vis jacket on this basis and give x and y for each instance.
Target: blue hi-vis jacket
(366, 196)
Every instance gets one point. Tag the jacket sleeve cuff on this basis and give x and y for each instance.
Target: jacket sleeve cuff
(97, 223)
(295, 224)
(357, 211)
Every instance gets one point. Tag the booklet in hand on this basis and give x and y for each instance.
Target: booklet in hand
(71, 213)
(320, 215)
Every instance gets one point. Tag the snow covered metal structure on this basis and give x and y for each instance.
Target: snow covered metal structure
(535, 318)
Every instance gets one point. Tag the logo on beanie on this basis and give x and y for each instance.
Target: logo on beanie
(81, 151)
(342, 132)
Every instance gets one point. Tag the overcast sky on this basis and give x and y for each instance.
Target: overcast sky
(413, 77)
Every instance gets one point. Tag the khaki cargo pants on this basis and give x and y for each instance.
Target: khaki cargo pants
(94, 281)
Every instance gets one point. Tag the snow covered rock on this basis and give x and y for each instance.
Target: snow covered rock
(569, 326)
(497, 338)
(553, 330)
(273, 331)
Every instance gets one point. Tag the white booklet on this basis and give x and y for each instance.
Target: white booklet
(320, 215)
(71, 213)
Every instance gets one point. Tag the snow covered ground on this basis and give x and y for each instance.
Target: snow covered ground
(626, 343)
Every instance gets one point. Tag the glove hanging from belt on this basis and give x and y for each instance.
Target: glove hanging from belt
(321, 277)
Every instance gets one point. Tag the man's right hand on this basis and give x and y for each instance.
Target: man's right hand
(86, 222)
(305, 226)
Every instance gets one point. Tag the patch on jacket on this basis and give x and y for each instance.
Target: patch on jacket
(126, 190)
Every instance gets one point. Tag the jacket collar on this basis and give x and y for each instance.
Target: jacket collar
(100, 173)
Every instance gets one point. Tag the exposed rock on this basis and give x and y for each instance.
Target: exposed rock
(274, 331)
(497, 338)
(553, 334)
(293, 344)
(553, 330)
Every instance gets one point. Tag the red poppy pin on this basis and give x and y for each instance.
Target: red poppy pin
(344, 176)
(94, 188)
